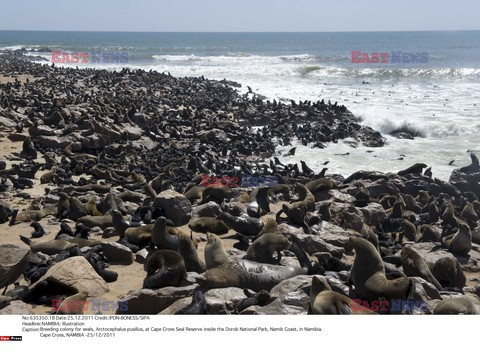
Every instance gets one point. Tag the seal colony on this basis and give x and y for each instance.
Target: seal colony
(106, 174)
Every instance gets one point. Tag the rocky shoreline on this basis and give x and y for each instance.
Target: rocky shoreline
(101, 170)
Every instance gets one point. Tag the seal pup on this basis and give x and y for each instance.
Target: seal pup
(243, 242)
(208, 224)
(461, 243)
(262, 200)
(63, 205)
(265, 246)
(325, 301)
(164, 268)
(28, 151)
(198, 305)
(415, 266)
(243, 224)
(39, 231)
(368, 274)
(262, 298)
(215, 254)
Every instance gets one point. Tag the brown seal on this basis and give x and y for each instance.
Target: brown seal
(368, 274)
(215, 254)
(325, 301)
(415, 266)
(265, 246)
(208, 224)
(164, 268)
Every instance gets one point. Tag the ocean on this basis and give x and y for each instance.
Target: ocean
(438, 99)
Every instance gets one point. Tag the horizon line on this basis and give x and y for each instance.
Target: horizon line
(241, 32)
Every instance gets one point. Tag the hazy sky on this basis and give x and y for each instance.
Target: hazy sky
(240, 15)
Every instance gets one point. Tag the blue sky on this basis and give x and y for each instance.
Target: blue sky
(240, 15)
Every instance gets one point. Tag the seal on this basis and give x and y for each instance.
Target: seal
(140, 235)
(461, 243)
(243, 224)
(469, 215)
(448, 216)
(320, 185)
(217, 194)
(449, 273)
(247, 274)
(456, 306)
(161, 238)
(208, 224)
(264, 246)
(190, 256)
(414, 169)
(215, 254)
(297, 210)
(76, 210)
(91, 207)
(164, 268)
(32, 215)
(28, 151)
(63, 205)
(409, 230)
(103, 222)
(368, 274)
(121, 225)
(39, 231)
(261, 299)
(429, 233)
(193, 194)
(232, 208)
(262, 200)
(325, 301)
(50, 247)
(198, 305)
(415, 266)
(270, 226)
